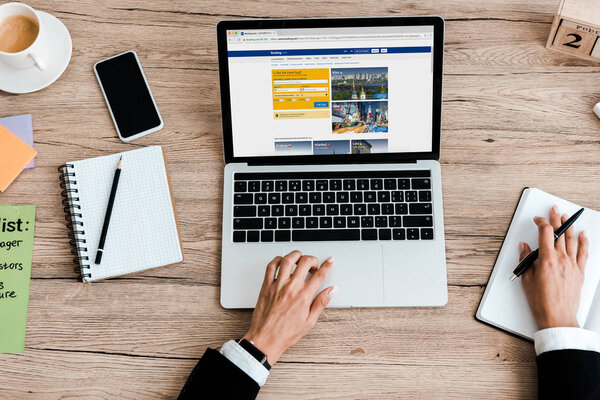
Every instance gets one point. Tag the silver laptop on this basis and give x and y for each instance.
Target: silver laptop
(331, 131)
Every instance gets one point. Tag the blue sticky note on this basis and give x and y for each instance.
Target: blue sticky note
(22, 127)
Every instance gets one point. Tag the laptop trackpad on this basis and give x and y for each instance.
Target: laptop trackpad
(358, 272)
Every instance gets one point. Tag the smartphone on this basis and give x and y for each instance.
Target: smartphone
(128, 96)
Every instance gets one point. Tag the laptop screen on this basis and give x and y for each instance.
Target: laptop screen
(331, 91)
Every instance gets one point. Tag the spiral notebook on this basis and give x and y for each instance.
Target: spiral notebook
(504, 304)
(143, 231)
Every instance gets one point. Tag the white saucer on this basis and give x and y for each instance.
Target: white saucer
(59, 46)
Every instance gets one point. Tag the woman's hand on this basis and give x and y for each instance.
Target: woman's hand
(285, 310)
(553, 284)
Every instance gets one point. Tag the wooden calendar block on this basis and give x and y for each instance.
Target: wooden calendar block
(576, 29)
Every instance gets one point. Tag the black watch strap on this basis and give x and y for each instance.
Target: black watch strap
(254, 352)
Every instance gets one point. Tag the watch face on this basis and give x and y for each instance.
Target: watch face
(254, 352)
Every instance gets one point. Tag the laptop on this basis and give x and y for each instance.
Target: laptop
(331, 131)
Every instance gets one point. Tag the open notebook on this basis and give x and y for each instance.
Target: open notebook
(504, 304)
(143, 230)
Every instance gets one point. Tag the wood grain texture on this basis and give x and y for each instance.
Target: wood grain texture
(514, 115)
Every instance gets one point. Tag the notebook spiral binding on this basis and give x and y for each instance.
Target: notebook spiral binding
(73, 216)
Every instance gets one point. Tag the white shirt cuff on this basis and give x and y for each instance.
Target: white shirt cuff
(565, 338)
(244, 361)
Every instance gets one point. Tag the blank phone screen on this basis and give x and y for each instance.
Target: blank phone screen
(128, 95)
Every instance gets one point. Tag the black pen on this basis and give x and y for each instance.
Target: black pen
(111, 202)
(531, 257)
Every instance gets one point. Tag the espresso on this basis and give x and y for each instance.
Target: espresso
(17, 32)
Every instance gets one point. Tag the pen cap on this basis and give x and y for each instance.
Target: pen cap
(597, 110)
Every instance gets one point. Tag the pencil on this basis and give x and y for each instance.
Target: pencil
(111, 202)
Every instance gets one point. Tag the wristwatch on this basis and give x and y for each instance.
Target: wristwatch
(254, 352)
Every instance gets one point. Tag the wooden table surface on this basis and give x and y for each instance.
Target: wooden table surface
(514, 115)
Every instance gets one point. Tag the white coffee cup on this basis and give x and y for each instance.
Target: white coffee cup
(33, 55)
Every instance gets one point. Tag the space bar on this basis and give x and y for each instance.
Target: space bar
(325, 234)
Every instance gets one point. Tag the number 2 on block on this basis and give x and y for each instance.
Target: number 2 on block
(577, 39)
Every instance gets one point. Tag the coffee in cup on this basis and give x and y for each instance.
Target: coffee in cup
(17, 33)
(22, 37)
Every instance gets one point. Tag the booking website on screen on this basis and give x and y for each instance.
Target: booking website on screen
(331, 90)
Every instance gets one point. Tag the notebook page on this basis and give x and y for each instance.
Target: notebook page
(142, 233)
(593, 320)
(505, 304)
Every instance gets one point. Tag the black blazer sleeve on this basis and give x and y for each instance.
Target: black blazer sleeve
(216, 377)
(569, 374)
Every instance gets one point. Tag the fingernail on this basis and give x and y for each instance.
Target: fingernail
(521, 247)
(555, 209)
(330, 260)
(565, 216)
(333, 291)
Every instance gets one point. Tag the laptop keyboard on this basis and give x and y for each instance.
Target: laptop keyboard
(332, 206)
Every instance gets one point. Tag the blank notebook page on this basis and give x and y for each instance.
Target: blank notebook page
(143, 231)
(504, 303)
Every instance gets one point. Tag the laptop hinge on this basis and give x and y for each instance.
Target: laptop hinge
(258, 164)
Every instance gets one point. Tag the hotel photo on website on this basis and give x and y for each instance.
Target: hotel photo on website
(331, 91)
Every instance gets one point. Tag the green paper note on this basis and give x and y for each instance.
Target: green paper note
(16, 250)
